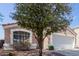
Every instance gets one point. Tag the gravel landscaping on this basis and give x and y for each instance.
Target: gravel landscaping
(28, 53)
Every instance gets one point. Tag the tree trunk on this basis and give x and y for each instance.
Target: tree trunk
(40, 52)
(40, 48)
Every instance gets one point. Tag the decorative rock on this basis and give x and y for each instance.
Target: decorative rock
(7, 46)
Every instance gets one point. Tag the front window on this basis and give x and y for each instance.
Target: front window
(19, 36)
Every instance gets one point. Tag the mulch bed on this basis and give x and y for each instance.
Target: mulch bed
(29, 53)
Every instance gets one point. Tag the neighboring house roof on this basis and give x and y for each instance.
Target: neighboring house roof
(76, 28)
(72, 31)
(68, 28)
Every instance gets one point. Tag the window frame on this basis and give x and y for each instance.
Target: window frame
(24, 30)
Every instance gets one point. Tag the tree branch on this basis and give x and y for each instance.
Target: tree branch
(35, 35)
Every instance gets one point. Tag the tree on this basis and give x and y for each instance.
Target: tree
(1, 18)
(43, 19)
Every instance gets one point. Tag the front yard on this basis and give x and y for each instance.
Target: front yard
(28, 53)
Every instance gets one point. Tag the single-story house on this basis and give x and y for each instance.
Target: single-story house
(60, 40)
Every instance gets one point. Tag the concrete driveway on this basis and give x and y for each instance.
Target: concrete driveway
(73, 52)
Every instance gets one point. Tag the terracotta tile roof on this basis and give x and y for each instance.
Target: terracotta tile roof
(8, 24)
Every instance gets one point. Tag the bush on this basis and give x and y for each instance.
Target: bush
(23, 46)
(51, 47)
(1, 43)
(11, 54)
(26, 43)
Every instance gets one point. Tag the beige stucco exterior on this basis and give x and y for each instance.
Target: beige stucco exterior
(77, 37)
(8, 28)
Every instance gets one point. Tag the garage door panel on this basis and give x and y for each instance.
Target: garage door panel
(63, 42)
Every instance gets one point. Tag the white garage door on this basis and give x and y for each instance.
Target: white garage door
(63, 42)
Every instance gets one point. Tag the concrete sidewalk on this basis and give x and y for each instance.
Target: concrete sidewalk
(73, 52)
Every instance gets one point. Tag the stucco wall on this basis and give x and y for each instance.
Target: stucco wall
(65, 33)
(47, 41)
(7, 35)
(77, 37)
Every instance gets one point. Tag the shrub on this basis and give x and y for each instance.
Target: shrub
(51, 47)
(1, 43)
(23, 45)
(11, 54)
(26, 43)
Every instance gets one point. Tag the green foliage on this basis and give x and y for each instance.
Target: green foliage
(42, 18)
(1, 17)
(51, 47)
(26, 43)
(23, 45)
(11, 54)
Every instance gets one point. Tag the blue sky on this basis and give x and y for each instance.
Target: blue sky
(75, 13)
(7, 9)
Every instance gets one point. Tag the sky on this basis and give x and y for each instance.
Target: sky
(7, 9)
(75, 14)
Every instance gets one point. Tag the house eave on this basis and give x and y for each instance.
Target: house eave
(15, 24)
(9, 25)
